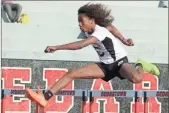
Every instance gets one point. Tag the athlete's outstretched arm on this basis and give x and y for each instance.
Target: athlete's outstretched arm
(72, 46)
(118, 35)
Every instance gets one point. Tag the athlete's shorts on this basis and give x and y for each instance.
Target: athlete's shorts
(112, 70)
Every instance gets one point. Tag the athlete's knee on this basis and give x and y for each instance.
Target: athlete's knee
(137, 78)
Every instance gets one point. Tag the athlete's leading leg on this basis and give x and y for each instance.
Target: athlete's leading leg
(88, 71)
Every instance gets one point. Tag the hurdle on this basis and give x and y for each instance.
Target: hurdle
(91, 94)
(74, 93)
(136, 94)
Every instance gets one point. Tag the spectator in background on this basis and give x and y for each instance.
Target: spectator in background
(12, 9)
(163, 4)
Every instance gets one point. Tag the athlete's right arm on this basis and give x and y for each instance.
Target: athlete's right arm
(72, 46)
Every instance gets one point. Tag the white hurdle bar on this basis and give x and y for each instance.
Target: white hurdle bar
(129, 93)
(76, 93)
(97, 93)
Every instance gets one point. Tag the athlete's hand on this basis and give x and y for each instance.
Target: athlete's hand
(128, 42)
(50, 49)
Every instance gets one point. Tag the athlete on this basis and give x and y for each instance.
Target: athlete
(95, 21)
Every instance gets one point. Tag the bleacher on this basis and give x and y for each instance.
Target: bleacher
(54, 23)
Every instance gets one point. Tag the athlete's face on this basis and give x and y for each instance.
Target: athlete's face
(85, 23)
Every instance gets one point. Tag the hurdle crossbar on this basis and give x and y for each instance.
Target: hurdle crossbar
(76, 93)
(85, 94)
(129, 93)
(97, 93)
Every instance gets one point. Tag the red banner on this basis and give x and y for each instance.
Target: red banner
(50, 76)
(110, 104)
(150, 82)
(9, 77)
(65, 103)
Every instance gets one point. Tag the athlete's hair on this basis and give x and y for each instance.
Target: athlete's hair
(99, 12)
